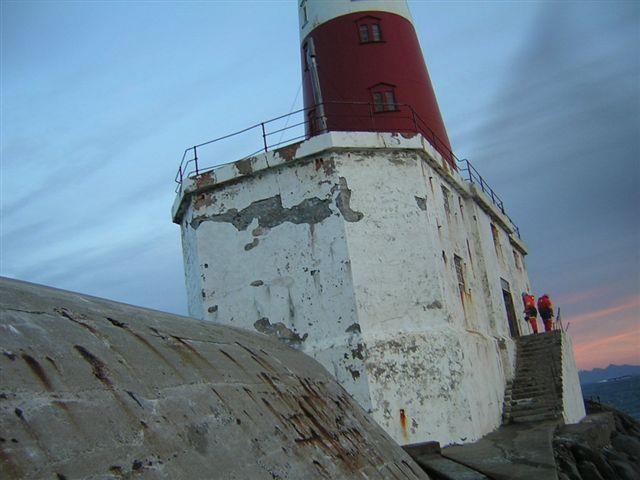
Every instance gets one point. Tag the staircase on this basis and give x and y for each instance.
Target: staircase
(535, 394)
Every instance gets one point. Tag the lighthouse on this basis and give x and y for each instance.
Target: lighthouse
(360, 243)
(363, 70)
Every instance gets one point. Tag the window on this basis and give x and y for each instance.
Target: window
(376, 33)
(384, 98)
(369, 30)
(496, 240)
(516, 259)
(445, 196)
(364, 33)
(303, 9)
(459, 272)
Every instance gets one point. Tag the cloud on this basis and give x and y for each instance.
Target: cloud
(560, 144)
(632, 304)
(622, 348)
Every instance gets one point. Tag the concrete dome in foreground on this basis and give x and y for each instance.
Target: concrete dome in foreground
(97, 389)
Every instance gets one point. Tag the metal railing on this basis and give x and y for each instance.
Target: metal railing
(305, 123)
(470, 174)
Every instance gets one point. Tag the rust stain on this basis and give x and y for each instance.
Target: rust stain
(233, 360)
(70, 316)
(203, 200)
(146, 343)
(321, 470)
(275, 413)
(37, 369)
(245, 166)
(53, 364)
(256, 358)
(97, 366)
(288, 153)
(403, 424)
(204, 179)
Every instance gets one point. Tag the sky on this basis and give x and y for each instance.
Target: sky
(100, 99)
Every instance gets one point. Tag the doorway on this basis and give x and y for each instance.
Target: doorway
(510, 309)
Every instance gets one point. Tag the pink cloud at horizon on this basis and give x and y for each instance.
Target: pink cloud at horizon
(607, 336)
(572, 298)
(615, 349)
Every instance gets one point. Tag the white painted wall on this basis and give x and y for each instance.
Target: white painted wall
(572, 402)
(290, 280)
(355, 276)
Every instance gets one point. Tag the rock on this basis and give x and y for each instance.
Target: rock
(588, 471)
(627, 444)
(582, 453)
(624, 470)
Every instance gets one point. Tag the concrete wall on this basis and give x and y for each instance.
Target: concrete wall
(572, 401)
(96, 389)
(344, 249)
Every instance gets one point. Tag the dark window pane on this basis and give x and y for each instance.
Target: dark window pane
(376, 33)
(459, 272)
(378, 102)
(390, 100)
(445, 198)
(364, 33)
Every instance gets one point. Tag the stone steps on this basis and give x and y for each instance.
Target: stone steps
(535, 393)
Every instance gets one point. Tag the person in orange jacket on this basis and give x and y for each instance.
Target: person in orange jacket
(545, 307)
(530, 312)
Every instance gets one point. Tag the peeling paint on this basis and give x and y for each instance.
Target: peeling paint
(280, 331)
(245, 167)
(343, 202)
(270, 213)
(254, 243)
(288, 153)
(353, 328)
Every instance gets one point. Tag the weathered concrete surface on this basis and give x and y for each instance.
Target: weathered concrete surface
(514, 452)
(546, 385)
(97, 389)
(369, 253)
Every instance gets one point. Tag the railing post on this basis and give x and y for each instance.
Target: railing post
(373, 122)
(264, 137)
(195, 158)
(413, 116)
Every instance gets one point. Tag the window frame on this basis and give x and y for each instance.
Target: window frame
(458, 264)
(379, 95)
(372, 35)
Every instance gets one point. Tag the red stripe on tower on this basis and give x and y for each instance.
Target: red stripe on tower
(363, 70)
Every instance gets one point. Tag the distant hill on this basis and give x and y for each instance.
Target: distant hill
(622, 393)
(612, 371)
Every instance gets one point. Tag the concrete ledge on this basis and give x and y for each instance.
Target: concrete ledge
(519, 244)
(491, 209)
(331, 141)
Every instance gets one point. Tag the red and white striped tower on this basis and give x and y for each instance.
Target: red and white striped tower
(363, 70)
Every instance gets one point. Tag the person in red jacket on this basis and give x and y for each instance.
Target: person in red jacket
(530, 312)
(545, 307)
